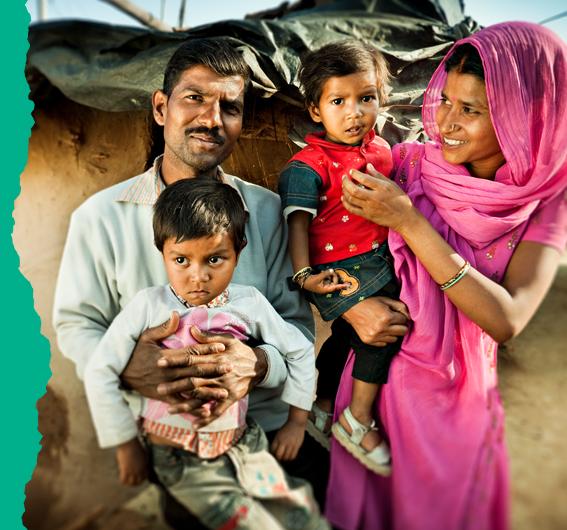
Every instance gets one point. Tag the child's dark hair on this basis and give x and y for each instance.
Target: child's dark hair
(465, 59)
(217, 54)
(338, 59)
(199, 207)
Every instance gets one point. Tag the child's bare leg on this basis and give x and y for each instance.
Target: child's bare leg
(325, 404)
(361, 405)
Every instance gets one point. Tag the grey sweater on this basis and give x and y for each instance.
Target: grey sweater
(109, 256)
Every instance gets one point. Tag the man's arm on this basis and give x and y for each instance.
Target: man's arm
(85, 298)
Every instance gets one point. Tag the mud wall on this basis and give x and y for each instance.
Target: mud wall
(74, 151)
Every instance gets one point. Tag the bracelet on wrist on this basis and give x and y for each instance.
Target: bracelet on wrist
(301, 275)
(461, 273)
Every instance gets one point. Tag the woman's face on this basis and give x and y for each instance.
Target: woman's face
(467, 134)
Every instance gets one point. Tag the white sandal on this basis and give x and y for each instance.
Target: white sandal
(316, 427)
(377, 460)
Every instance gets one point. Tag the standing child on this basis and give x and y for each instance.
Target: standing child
(221, 472)
(339, 258)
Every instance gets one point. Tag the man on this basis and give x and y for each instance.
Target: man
(109, 254)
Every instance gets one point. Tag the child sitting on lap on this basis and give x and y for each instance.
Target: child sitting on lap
(339, 258)
(223, 472)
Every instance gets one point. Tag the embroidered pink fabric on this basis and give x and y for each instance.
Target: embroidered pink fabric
(441, 409)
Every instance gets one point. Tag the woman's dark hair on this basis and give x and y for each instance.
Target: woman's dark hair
(216, 54)
(465, 59)
(199, 207)
(338, 59)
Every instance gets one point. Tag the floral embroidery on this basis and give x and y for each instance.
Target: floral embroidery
(356, 267)
(323, 198)
(360, 298)
(345, 218)
(403, 176)
(513, 240)
(336, 164)
(403, 152)
(490, 252)
(329, 247)
(414, 159)
(321, 162)
(375, 245)
(322, 219)
(352, 247)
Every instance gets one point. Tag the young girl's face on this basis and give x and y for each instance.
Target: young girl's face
(348, 107)
(200, 269)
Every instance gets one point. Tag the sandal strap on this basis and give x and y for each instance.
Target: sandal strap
(380, 454)
(320, 417)
(358, 429)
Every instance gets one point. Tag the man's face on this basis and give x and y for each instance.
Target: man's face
(202, 119)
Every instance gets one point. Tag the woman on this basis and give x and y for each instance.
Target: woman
(489, 191)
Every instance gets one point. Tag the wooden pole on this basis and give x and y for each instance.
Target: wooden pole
(42, 9)
(182, 13)
(139, 14)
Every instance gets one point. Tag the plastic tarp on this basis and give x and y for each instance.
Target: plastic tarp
(115, 68)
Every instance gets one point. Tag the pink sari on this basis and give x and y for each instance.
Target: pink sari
(440, 409)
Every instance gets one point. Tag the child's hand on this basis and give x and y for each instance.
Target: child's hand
(132, 463)
(288, 440)
(324, 282)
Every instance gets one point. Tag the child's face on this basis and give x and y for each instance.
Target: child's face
(348, 107)
(200, 269)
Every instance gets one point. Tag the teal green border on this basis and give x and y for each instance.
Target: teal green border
(25, 353)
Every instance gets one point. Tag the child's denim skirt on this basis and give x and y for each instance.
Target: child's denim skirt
(367, 273)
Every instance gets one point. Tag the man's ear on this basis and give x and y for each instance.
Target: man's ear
(159, 106)
(314, 113)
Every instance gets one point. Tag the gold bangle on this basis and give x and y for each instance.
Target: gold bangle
(457, 278)
(301, 275)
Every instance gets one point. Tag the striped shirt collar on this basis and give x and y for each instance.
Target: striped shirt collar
(146, 188)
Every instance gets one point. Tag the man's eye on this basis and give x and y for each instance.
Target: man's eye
(337, 101)
(180, 260)
(444, 101)
(215, 259)
(194, 97)
(233, 110)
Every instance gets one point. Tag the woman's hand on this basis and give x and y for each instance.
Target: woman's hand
(376, 198)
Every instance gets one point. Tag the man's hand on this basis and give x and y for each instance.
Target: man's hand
(223, 377)
(144, 373)
(378, 320)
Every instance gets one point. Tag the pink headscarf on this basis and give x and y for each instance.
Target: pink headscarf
(440, 408)
(525, 69)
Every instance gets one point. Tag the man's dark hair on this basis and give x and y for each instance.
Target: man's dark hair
(195, 208)
(338, 59)
(465, 59)
(216, 54)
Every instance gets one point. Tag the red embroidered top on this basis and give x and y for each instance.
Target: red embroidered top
(334, 233)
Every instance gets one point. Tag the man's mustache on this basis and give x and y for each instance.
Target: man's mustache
(213, 133)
